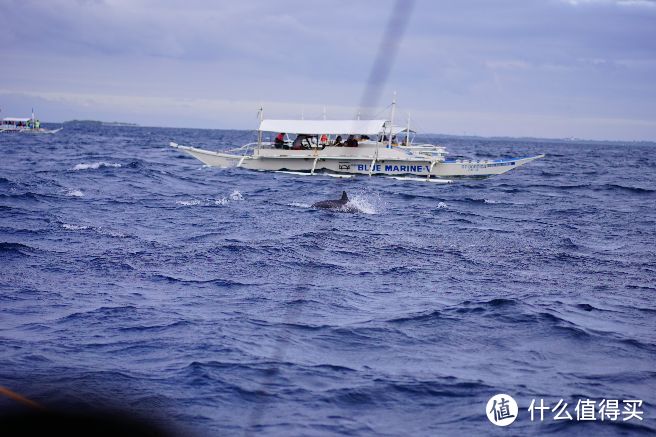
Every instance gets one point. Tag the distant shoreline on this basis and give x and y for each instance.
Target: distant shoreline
(422, 135)
(103, 123)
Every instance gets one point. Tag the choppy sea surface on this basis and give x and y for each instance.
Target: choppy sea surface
(217, 302)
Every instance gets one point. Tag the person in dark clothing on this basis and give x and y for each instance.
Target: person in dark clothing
(338, 141)
(351, 141)
(300, 143)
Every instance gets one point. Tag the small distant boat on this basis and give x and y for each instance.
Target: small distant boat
(25, 125)
(374, 147)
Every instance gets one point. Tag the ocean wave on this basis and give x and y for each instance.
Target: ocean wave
(564, 326)
(100, 230)
(384, 391)
(300, 205)
(16, 248)
(568, 243)
(497, 302)
(73, 227)
(96, 165)
(111, 263)
(214, 281)
(473, 200)
(75, 193)
(221, 201)
(630, 189)
(27, 195)
(635, 343)
(236, 196)
(101, 314)
(563, 187)
(366, 203)
(447, 387)
(192, 202)
(430, 316)
(589, 308)
(157, 328)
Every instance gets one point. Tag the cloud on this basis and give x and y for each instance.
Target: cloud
(635, 3)
(590, 59)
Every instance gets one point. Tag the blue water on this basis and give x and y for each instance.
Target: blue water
(217, 302)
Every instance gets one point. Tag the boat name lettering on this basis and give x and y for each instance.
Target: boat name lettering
(395, 168)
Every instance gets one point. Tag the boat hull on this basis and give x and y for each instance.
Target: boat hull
(313, 162)
(30, 131)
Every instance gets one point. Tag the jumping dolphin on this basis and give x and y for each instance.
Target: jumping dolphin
(339, 204)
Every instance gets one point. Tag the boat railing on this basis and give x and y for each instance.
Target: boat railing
(244, 148)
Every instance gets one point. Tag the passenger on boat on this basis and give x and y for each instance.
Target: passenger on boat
(338, 141)
(351, 141)
(279, 142)
(298, 142)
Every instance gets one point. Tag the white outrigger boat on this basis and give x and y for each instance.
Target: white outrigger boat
(317, 148)
(25, 125)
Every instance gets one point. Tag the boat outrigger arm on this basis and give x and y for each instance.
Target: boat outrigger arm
(376, 153)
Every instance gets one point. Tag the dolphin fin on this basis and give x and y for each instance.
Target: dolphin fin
(344, 197)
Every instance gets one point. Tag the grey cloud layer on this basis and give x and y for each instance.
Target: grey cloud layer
(592, 59)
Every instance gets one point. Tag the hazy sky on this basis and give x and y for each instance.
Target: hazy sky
(545, 68)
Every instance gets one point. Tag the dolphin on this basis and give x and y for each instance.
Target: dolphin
(339, 204)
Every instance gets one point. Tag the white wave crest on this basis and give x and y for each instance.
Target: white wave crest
(203, 202)
(95, 165)
(75, 193)
(192, 202)
(236, 195)
(300, 205)
(74, 227)
(110, 233)
(366, 202)
(442, 205)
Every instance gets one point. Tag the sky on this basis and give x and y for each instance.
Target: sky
(534, 68)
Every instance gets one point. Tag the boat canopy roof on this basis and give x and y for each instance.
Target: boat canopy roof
(400, 129)
(329, 127)
(15, 119)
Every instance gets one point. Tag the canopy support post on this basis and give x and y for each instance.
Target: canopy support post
(260, 116)
(407, 132)
(373, 162)
(371, 167)
(389, 143)
(314, 165)
(430, 170)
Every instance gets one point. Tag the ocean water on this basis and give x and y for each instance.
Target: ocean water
(216, 302)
